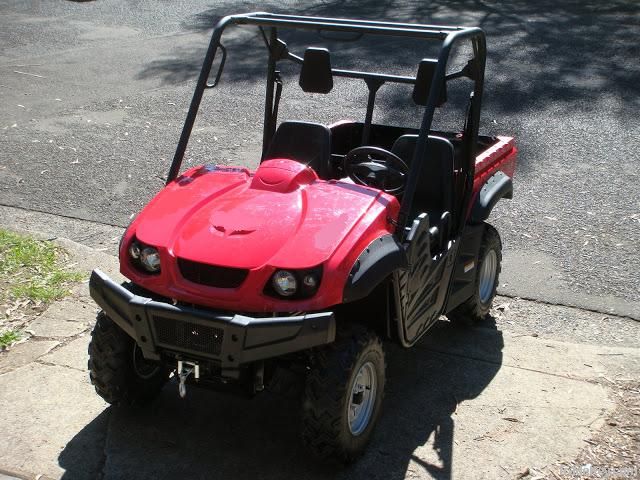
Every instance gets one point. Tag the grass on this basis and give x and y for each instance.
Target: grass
(7, 338)
(31, 269)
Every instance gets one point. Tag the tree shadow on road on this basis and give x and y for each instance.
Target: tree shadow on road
(543, 56)
(216, 436)
(540, 51)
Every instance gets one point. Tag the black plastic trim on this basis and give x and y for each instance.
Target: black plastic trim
(245, 339)
(498, 186)
(212, 275)
(463, 281)
(380, 259)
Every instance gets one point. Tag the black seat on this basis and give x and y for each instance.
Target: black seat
(434, 192)
(305, 142)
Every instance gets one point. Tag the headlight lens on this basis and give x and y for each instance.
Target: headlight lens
(134, 250)
(150, 259)
(310, 281)
(285, 283)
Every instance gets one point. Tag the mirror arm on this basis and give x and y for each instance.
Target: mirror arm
(373, 84)
(467, 71)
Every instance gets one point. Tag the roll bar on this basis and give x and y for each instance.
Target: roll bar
(448, 35)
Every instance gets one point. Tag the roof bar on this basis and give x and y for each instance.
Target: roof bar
(346, 21)
(364, 75)
(346, 27)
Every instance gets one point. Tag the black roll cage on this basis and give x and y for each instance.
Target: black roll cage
(449, 36)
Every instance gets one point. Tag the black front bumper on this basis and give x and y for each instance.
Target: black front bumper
(192, 333)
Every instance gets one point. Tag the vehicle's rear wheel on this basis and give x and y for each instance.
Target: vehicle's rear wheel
(343, 395)
(118, 371)
(476, 307)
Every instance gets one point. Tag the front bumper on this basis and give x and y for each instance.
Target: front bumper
(192, 333)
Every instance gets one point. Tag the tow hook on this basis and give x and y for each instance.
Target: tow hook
(184, 370)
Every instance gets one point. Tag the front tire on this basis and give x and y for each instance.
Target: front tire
(117, 369)
(477, 307)
(343, 395)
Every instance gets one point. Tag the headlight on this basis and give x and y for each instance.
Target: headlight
(310, 281)
(294, 284)
(134, 250)
(150, 259)
(285, 283)
(144, 257)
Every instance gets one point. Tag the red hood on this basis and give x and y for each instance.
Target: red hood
(282, 216)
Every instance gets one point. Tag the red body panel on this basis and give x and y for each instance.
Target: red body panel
(281, 216)
(261, 222)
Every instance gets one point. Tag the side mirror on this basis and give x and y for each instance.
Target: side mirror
(424, 80)
(316, 75)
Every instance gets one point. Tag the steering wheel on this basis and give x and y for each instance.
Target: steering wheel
(376, 167)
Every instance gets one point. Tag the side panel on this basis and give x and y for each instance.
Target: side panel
(464, 273)
(420, 290)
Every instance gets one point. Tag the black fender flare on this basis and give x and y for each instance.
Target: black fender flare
(380, 259)
(498, 186)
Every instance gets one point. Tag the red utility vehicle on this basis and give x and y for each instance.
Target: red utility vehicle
(344, 236)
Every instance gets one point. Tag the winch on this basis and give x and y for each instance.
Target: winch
(185, 369)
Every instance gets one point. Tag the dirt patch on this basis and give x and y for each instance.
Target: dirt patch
(614, 452)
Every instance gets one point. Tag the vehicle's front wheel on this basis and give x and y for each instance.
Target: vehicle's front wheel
(476, 307)
(343, 395)
(118, 371)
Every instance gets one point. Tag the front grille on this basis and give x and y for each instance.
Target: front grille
(181, 335)
(212, 275)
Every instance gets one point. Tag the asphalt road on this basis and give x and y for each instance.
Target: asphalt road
(93, 96)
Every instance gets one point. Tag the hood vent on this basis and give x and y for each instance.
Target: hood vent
(212, 275)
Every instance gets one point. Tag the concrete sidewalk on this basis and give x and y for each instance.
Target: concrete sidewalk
(480, 403)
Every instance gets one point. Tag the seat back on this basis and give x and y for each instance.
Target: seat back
(434, 192)
(305, 142)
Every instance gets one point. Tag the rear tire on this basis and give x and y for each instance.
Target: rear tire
(343, 395)
(117, 369)
(477, 307)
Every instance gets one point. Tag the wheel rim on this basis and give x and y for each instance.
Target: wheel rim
(141, 366)
(362, 398)
(488, 276)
